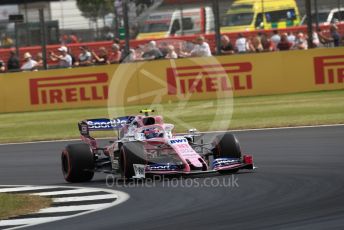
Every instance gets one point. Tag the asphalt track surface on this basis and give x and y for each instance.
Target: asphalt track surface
(299, 184)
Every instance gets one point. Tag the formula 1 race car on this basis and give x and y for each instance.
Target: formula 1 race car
(147, 146)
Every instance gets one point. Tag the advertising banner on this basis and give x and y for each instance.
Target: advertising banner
(164, 81)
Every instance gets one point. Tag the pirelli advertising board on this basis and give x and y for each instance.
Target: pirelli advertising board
(173, 80)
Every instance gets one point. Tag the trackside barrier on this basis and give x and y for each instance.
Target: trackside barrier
(74, 48)
(164, 81)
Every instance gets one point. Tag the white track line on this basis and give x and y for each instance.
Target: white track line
(29, 221)
(22, 189)
(84, 198)
(86, 209)
(66, 192)
(74, 208)
(234, 130)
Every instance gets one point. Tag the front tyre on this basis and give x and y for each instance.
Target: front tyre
(131, 153)
(77, 163)
(226, 146)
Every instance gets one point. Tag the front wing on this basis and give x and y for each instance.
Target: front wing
(220, 166)
(233, 169)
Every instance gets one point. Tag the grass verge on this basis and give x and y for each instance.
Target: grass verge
(249, 112)
(16, 205)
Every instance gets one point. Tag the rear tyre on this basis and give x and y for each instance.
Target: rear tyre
(131, 153)
(77, 163)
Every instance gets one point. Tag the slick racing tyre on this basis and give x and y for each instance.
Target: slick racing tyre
(226, 146)
(77, 163)
(131, 153)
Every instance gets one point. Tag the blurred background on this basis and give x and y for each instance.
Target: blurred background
(87, 21)
(38, 28)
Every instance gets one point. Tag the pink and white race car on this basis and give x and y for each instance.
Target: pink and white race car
(147, 146)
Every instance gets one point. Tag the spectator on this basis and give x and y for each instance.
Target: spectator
(2, 66)
(226, 46)
(284, 44)
(85, 57)
(201, 49)
(29, 63)
(116, 54)
(275, 39)
(324, 40)
(152, 52)
(316, 40)
(7, 41)
(335, 36)
(13, 62)
(64, 39)
(73, 38)
(74, 60)
(39, 60)
(139, 53)
(241, 44)
(121, 48)
(255, 44)
(102, 57)
(65, 59)
(266, 43)
(163, 48)
(179, 49)
(132, 56)
(259, 35)
(171, 54)
(291, 37)
(117, 41)
(300, 42)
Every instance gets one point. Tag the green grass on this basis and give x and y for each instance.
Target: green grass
(248, 112)
(15, 205)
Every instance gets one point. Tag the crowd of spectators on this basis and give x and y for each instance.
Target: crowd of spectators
(261, 42)
(279, 42)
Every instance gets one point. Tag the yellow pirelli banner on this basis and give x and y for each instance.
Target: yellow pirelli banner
(173, 80)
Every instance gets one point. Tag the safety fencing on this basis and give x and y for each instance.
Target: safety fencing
(74, 48)
(165, 81)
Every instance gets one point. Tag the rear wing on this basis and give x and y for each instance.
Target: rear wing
(102, 124)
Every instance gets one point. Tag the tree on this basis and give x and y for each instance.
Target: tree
(95, 9)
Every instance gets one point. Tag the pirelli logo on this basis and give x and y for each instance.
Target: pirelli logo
(209, 78)
(68, 89)
(329, 69)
